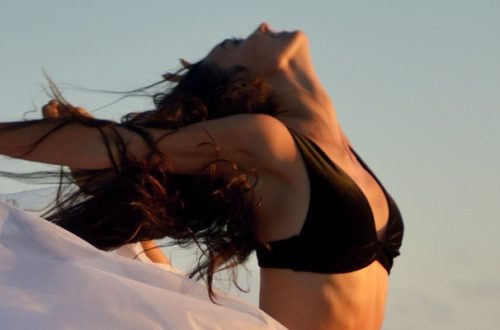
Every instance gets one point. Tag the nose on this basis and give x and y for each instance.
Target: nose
(263, 27)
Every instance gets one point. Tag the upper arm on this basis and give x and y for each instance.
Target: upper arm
(250, 140)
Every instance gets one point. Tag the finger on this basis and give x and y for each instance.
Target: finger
(54, 103)
(82, 112)
(49, 111)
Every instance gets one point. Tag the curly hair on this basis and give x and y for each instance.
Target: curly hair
(141, 199)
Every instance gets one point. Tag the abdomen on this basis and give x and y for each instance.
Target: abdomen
(304, 300)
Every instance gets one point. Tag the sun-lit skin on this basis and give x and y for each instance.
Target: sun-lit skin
(300, 300)
(284, 60)
(304, 300)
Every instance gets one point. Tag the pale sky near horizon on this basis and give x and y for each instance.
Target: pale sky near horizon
(415, 83)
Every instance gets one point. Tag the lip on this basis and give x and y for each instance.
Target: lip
(280, 34)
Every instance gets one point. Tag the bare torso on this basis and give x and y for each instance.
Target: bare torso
(305, 300)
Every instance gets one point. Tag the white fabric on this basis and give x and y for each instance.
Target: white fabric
(51, 279)
(136, 251)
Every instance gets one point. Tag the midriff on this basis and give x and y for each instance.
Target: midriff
(305, 300)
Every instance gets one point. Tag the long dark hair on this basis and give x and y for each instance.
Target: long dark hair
(141, 199)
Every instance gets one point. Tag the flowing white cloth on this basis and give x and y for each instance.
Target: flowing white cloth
(51, 279)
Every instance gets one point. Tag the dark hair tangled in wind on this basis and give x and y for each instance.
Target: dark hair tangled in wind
(141, 199)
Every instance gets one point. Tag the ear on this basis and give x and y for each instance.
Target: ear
(245, 93)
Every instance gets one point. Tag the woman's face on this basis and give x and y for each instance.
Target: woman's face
(263, 52)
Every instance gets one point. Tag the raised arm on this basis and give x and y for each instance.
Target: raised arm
(58, 141)
(239, 138)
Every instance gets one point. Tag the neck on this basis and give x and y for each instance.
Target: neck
(304, 105)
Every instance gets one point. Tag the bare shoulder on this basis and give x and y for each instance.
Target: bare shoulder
(277, 158)
(268, 132)
(267, 140)
(252, 140)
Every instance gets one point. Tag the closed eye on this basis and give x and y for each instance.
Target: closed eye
(230, 41)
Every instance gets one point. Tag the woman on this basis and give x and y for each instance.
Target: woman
(283, 180)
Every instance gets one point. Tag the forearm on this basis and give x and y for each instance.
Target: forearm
(59, 142)
(154, 252)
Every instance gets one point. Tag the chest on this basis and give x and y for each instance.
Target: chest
(344, 189)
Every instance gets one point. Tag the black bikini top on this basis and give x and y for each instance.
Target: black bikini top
(339, 234)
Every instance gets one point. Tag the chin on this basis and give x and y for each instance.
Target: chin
(298, 46)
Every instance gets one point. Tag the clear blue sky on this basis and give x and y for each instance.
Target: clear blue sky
(416, 85)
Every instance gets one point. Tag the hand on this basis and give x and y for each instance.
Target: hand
(55, 109)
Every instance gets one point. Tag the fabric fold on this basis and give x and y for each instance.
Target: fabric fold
(51, 279)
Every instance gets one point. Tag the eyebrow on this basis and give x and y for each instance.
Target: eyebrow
(227, 41)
